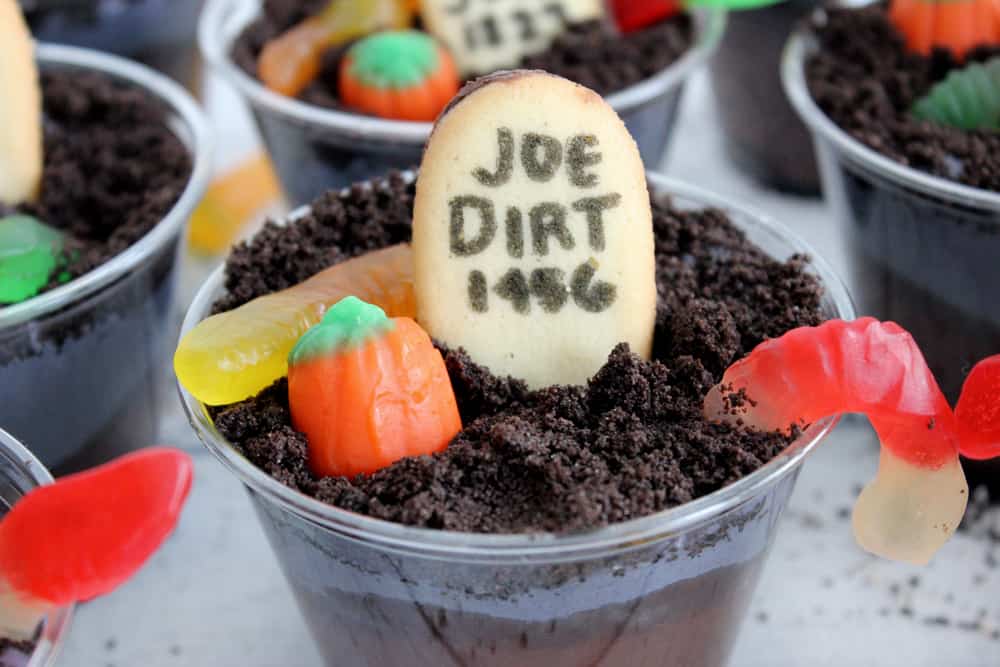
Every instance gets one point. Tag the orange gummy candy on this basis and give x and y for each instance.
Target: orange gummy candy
(232, 199)
(293, 59)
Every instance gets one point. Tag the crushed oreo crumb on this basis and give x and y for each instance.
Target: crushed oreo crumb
(630, 443)
(113, 168)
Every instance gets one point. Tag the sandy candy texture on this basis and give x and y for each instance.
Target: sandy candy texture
(532, 232)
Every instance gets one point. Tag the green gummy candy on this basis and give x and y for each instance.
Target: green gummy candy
(968, 99)
(347, 324)
(394, 59)
(29, 253)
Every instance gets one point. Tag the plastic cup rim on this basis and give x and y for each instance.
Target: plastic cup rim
(187, 112)
(537, 547)
(800, 44)
(223, 20)
(57, 623)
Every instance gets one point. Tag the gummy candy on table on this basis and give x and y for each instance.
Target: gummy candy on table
(368, 391)
(292, 60)
(919, 495)
(29, 253)
(968, 99)
(231, 201)
(86, 534)
(402, 75)
(978, 410)
(234, 355)
(958, 25)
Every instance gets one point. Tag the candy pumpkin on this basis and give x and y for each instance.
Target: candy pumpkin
(957, 25)
(367, 391)
(292, 60)
(402, 75)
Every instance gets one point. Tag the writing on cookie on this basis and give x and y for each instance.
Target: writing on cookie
(486, 35)
(533, 242)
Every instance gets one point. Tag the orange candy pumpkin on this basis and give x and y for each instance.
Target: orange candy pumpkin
(367, 391)
(401, 75)
(957, 25)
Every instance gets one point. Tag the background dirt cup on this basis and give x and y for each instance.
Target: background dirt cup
(532, 231)
(485, 35)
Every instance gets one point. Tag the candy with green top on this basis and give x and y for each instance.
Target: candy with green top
(29, 253)
(968, 99)
(394, 59)
(398, 74)
(348, 324)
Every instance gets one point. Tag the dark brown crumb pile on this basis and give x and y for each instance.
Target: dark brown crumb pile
(113, 168)
(564, 458)
(866, 81)
(590, 53)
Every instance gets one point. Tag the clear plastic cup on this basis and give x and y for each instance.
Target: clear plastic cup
(315, 149)
(923, 251)
(20, 472)
(82, 365)
(159, 33)
(667, 589)
(764, 136)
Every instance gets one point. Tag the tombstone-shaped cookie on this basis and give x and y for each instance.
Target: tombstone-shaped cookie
(487, 35)
(20, 109)
(532, 230)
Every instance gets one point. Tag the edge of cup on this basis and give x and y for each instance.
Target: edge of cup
(800, 45)
(223, 20)
(195, 135)
(57, 623)
(537, 546)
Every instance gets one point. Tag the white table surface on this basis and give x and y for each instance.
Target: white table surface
(214, 596)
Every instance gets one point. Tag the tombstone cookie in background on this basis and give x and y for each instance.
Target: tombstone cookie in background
(20, 110)
(532, 230)
(485, 35)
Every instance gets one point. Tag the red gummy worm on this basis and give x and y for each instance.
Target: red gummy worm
(978, 410)
(87, 533)
(862, 366)
(632, 15)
